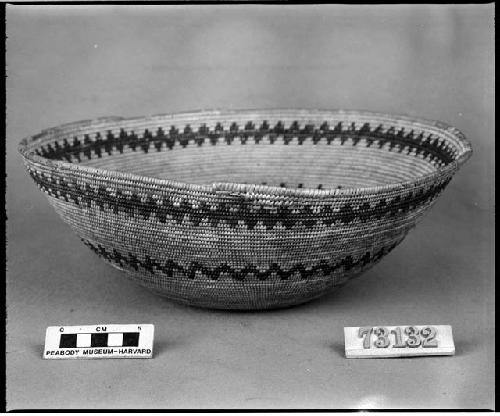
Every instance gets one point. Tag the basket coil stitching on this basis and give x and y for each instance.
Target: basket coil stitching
(52, 160)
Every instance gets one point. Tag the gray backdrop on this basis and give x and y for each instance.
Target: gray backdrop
(76, 62)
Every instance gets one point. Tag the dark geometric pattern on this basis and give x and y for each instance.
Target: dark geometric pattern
(232, 211)
(428, 146)
(160, 232)
(168, 267)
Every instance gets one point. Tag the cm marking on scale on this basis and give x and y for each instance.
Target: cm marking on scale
(99, 341)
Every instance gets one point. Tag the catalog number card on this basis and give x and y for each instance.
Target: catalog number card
(398, 341)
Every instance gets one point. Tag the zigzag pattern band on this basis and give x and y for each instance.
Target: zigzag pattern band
(168, 267)
(419, 144)
(232, 213)
(193, 205)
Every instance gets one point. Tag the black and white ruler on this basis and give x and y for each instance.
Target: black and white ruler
(99, 341)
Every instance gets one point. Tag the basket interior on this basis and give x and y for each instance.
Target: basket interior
(288, 150)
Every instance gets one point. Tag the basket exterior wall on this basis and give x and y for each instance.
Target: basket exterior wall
(216, 263)
(236, 245)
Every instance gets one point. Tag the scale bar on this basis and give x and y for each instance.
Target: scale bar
(99, 341)
(125, 339)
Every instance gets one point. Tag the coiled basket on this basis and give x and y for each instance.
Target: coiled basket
(244, 209)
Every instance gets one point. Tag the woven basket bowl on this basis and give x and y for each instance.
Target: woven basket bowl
(244, 209)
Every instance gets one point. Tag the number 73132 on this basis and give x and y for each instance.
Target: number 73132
(398, 337)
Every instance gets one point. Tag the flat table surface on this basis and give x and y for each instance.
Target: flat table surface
(67, 64)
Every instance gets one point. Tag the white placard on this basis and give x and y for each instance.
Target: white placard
(398, 341)
(99, 341)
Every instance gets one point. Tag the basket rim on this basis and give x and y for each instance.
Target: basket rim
(240, 188)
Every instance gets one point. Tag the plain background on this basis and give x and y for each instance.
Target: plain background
(68, 63)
